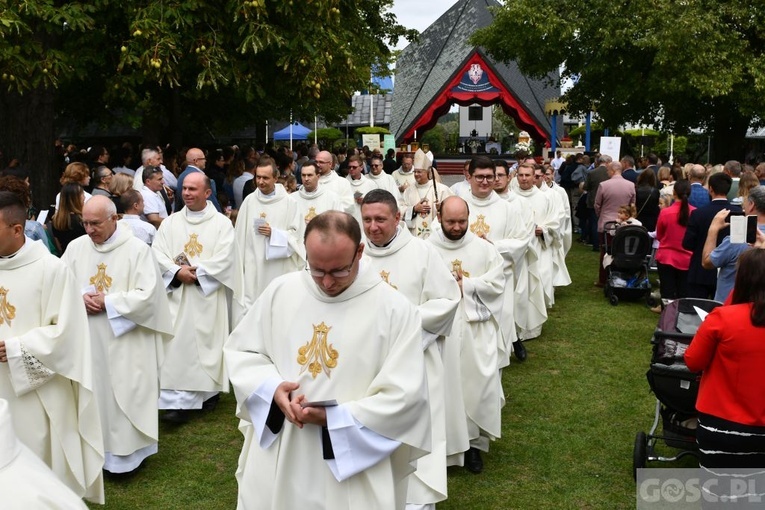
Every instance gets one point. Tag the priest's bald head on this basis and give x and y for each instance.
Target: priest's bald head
(196, 190)
(454, 217)
(99, 217)
(13, 217)
(333, 250)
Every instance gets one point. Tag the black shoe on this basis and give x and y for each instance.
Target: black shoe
(177, 416)
(473, 460)
(211, 403)
(519, 350)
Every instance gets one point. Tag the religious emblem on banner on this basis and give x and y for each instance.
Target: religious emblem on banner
(475, 72)
(311, 214)
(457, 268)
(193, 247)
(101, 281)
(385, 275)
(7, 310)
(480, 227)
(318, 355)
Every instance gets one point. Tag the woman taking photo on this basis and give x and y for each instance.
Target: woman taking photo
(672, 259)
(729, 350)
(67, 222)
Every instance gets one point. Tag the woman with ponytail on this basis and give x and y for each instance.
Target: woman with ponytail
(671, 259)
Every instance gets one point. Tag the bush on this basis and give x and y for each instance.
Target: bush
(326, 136)
(435, 138)
(349, 142)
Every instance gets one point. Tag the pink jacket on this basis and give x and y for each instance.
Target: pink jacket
(670, 235)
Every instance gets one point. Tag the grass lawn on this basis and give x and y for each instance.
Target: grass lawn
(573, 409)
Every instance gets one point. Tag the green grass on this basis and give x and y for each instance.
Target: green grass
(573, 409)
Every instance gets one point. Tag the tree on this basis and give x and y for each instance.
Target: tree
(180, 68)
(679, 66)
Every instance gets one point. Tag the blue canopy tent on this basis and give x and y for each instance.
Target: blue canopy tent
(299, 132)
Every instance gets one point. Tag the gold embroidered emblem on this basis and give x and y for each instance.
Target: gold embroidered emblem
(385, 275)
(457, 268)
(193, 247)
(263, 215)
(101, 280)
(311, 214)
(7, 310)
(423, 230)
(317, 355)
(480, 227)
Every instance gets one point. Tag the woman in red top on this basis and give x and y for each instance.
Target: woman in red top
(672, 260)
(729, 348)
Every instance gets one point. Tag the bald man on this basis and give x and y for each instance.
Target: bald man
(329, 180)
(471, 351)
(128, 319)
(699, 196)
(195, 162)
(200, 266)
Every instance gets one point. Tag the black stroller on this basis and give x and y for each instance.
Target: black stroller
(673, 384)
(629, 247)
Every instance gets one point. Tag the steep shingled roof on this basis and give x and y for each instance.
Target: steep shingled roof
(425, 68)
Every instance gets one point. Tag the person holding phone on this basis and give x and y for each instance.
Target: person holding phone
(725, 256)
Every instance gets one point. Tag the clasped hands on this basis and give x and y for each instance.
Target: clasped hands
(94, 302)
(292, 409)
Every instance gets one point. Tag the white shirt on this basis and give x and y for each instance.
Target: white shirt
(153, 203)
(238, 185)
(142, 229)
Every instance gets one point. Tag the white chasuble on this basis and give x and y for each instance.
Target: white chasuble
(48, 379)
(340, 187)
(419, 224)
(373, 369)
(313, 204)
(471, 351)
(414, 268)
(402, 178)
(202, 313)
(267, 257)
(127, 340)
(388, 183)
(565, 214)
(359, 187)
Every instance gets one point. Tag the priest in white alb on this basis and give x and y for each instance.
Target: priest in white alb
(422, 199)
(560, 276)
(46, 364)
(129, 319)
(312, 199)
(381, 179)
(328, 179)
(414, 268)
(565, 208)
(332, 400)
(508, 225)
(472, 349)
(404, 175)
(266, 232)
(360, 184)
(201, 269)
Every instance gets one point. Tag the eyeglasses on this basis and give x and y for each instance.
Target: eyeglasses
(93, 223)
(485, 178)
(375, 166)
(318, 162)
(340, 273)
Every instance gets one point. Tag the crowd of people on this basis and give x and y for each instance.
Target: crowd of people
(200, 271)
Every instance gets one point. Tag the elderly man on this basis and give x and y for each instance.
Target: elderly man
(414, 268)
(421, 200)
(333, 406)
(471, 351)
(46, 365)
(404, 175)
(195, 162)
(129, 318)
(509, 226)
(699, 196)
(611, 195)
(328, 179)
(590, 185)
(360, 184)
(200, 265)
(266, 232)
(311, 199)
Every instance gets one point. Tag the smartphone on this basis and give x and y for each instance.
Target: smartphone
(743, 229)
(751, 229)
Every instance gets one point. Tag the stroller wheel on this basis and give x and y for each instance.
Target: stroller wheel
(613, 299)
(639, 454)
(651, 301)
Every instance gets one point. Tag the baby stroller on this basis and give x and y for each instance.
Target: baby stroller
(673, 384)
(628, 247)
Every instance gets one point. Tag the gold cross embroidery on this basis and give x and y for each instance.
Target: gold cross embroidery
(193, 247)
(457, 268)
(7, 310)
(311, 214)
(317, 355)
(480, 227)
(385, 275)
(101, 280)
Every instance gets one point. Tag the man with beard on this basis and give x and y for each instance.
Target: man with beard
(471, 351)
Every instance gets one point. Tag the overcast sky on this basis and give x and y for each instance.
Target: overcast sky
(419, 14)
